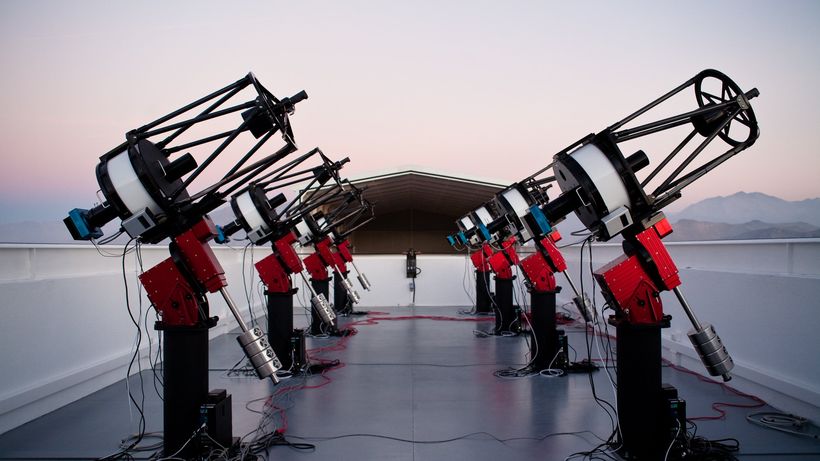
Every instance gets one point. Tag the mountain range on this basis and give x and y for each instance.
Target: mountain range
(738, 216)
(692, 230)
(744, 207)
(745, 216)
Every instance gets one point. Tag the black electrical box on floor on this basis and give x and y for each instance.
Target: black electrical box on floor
(216, 415)
(674, 418)
(297, 343)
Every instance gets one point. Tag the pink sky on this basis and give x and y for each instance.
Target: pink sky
(486, 89)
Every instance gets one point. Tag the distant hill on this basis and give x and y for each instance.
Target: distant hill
(746, 207)
(692, 230)
(739, 216)
(746, 215)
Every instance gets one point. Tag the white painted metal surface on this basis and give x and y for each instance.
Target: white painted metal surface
(762, 296)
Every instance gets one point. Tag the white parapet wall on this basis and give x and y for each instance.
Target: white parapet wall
(66, 332)
(763, 298)
(65, 328)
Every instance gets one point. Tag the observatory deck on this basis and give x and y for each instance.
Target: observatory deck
(67, 339)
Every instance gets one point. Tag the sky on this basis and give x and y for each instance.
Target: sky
(482, 89)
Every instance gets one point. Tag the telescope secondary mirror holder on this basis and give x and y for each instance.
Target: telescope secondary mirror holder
(148, 190)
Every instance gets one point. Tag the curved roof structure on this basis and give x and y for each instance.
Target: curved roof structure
(416, 209)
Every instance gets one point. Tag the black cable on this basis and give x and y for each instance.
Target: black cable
(104, 241)
(245, 283)
(613, 420)
(697, 448)
(135, 357)
(496, 310)
(441, 441)
(600, 451)
(64, 458)
(601, 331)
(276, 439)
(124, 453)
(487, 289)
(236, 370)
(148, 435)
(474, 309)
(152, 360)
(810, 453)
(157, 380)
(508, 373)
(609, 353)
(413, 364)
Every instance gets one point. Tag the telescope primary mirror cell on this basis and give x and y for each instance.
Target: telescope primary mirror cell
(593, 175)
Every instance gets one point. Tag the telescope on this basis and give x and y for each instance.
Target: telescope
(614, 193)
(148, 184)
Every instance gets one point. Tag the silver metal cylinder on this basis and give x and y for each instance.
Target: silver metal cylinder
(323, 308)
(712, 352)
(255, 344)
(256, 347)
(362, 278)
(363, 281)
(351, 292)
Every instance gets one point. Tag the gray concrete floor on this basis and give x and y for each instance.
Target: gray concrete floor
(421, 380)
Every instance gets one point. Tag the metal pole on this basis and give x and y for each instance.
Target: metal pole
(232, 306)
(687, 309)
(571, 285)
